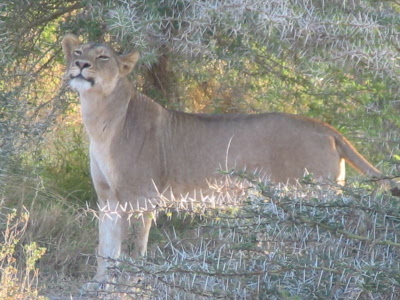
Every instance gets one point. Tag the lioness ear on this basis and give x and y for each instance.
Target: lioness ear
(69, 43)
(128, 62)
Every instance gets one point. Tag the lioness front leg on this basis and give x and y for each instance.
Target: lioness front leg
(141, 229)
(110, 240)
(111, 228)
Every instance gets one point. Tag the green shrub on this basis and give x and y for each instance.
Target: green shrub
(64, 164)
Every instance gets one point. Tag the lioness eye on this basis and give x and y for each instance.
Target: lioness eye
(77, 52)
(103, 57)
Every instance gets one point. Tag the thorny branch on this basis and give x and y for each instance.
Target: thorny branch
(305, 240)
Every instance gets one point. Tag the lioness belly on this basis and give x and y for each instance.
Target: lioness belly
(282, 157)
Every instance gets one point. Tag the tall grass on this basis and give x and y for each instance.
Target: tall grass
(56, 222)
(53, 186)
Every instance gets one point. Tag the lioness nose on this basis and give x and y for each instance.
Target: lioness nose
(82, 64)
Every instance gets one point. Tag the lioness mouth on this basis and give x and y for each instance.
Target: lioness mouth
(81, 77)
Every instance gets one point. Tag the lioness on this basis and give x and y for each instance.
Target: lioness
(138, 148)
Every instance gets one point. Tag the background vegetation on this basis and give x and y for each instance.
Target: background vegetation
(337, 61)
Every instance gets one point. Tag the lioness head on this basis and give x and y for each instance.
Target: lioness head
(95, 67)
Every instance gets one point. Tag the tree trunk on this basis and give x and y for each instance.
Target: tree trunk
(161, 83)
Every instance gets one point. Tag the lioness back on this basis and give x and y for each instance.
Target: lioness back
(280, 146)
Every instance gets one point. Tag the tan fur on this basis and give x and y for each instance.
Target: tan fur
(137, 147)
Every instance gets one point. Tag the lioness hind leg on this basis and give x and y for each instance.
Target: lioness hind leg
(341, 177)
